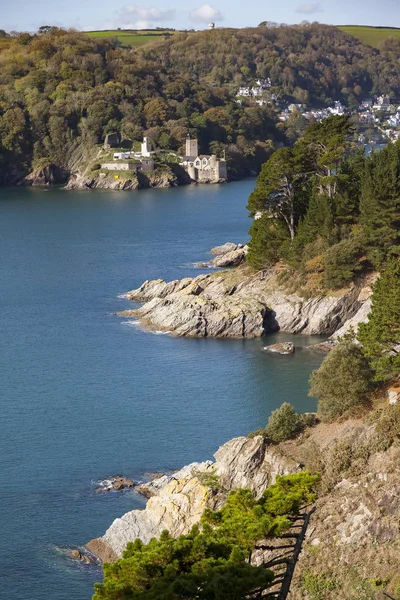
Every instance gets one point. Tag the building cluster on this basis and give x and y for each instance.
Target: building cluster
(313, 114)
(255, 91)
(129, 160)
(203, 168)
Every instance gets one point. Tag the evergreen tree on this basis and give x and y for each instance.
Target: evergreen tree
(283, 423)
(210, 562)
(278, 189)
(380, 336)
(267, 237)
(342, 382)
(380, 204)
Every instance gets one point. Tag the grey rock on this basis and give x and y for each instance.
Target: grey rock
(230, 259)
(283, 348)
(228, 247)
(240, 305)
(181, 498)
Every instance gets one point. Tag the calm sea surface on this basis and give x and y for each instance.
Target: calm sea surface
(85, 396)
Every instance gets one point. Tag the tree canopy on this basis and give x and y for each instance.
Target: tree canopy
(212, 561)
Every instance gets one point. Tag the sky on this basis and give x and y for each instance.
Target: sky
(28, 15)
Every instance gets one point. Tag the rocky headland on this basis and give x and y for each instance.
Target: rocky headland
(354, 532)
(241, 303)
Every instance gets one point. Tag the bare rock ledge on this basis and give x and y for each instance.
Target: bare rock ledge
(239, 303)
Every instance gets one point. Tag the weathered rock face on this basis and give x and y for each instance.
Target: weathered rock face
(238, 305)
(180, 499)
(225, 248)
(102, 181)
(50, 175)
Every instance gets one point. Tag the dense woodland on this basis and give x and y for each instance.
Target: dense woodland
(61, 92)
(327, 211)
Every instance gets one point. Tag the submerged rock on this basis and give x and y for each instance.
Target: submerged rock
(116, 483)
(283, 348)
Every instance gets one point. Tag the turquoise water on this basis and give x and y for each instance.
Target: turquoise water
(85, 396)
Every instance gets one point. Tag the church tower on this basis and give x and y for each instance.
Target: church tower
(192, 148)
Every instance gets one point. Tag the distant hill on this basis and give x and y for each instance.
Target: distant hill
(132, 37)
(373, 36)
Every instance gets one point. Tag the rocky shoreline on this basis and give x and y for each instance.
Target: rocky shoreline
(239, 303)
(177, 501)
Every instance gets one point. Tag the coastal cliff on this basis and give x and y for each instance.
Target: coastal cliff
(179, 500)
(352, 542)
(243, 303)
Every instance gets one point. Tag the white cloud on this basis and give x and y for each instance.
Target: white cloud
(137, 17)
(309, 9)
(206, 13)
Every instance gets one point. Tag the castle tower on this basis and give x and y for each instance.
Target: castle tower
(192, 147)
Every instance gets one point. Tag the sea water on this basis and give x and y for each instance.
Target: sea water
(84, 395)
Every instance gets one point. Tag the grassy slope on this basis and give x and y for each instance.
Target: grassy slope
(130, 37)
(373, 36)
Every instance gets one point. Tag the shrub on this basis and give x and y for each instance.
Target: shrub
(342, 382)
(283, 423)
(317, 586)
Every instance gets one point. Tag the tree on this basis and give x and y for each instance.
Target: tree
(380, 336)
(212, 561)
(380, 204)
(283, 423)
(322, 149)
(276, 189)
(342, 382)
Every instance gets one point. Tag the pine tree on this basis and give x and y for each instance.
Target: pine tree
(380, 337)
(380, 204)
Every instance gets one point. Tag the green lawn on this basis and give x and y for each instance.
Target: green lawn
(130, 37)
(373, 36)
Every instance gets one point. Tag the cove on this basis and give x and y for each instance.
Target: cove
(84, 395)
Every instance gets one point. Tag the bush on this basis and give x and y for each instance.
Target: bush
(342, 382)
(283, 424)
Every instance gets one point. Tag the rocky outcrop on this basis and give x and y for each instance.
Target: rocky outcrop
(102, 181)
(48, 175)
(239, 304)
(116, 483)
(283, 348)
(230, 259)
(179, 500)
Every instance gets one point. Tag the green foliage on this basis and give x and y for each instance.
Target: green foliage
(267, 239)
(317, 585)
(209, 563)
(380, 204)
(381, 334)
(208, 479)
(342, 382)
(283, 424)
(341, 263)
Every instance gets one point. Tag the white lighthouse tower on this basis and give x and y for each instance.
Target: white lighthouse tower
(211, 26)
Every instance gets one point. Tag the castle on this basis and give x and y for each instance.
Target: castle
(204, 168)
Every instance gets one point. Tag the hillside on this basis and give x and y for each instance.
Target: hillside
(61, 92)
(373, 36)
(131, 37)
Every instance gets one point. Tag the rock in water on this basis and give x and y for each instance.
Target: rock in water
(283, 348)
(181, 499)
(116, 483)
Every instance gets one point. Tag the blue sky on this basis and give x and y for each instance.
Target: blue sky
(28, 15)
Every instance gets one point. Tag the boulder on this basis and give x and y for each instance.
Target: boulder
(282, 348)
(116, 483)
(230, 259)
(228, 247)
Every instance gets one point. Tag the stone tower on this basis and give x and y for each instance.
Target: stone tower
(192, 147)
